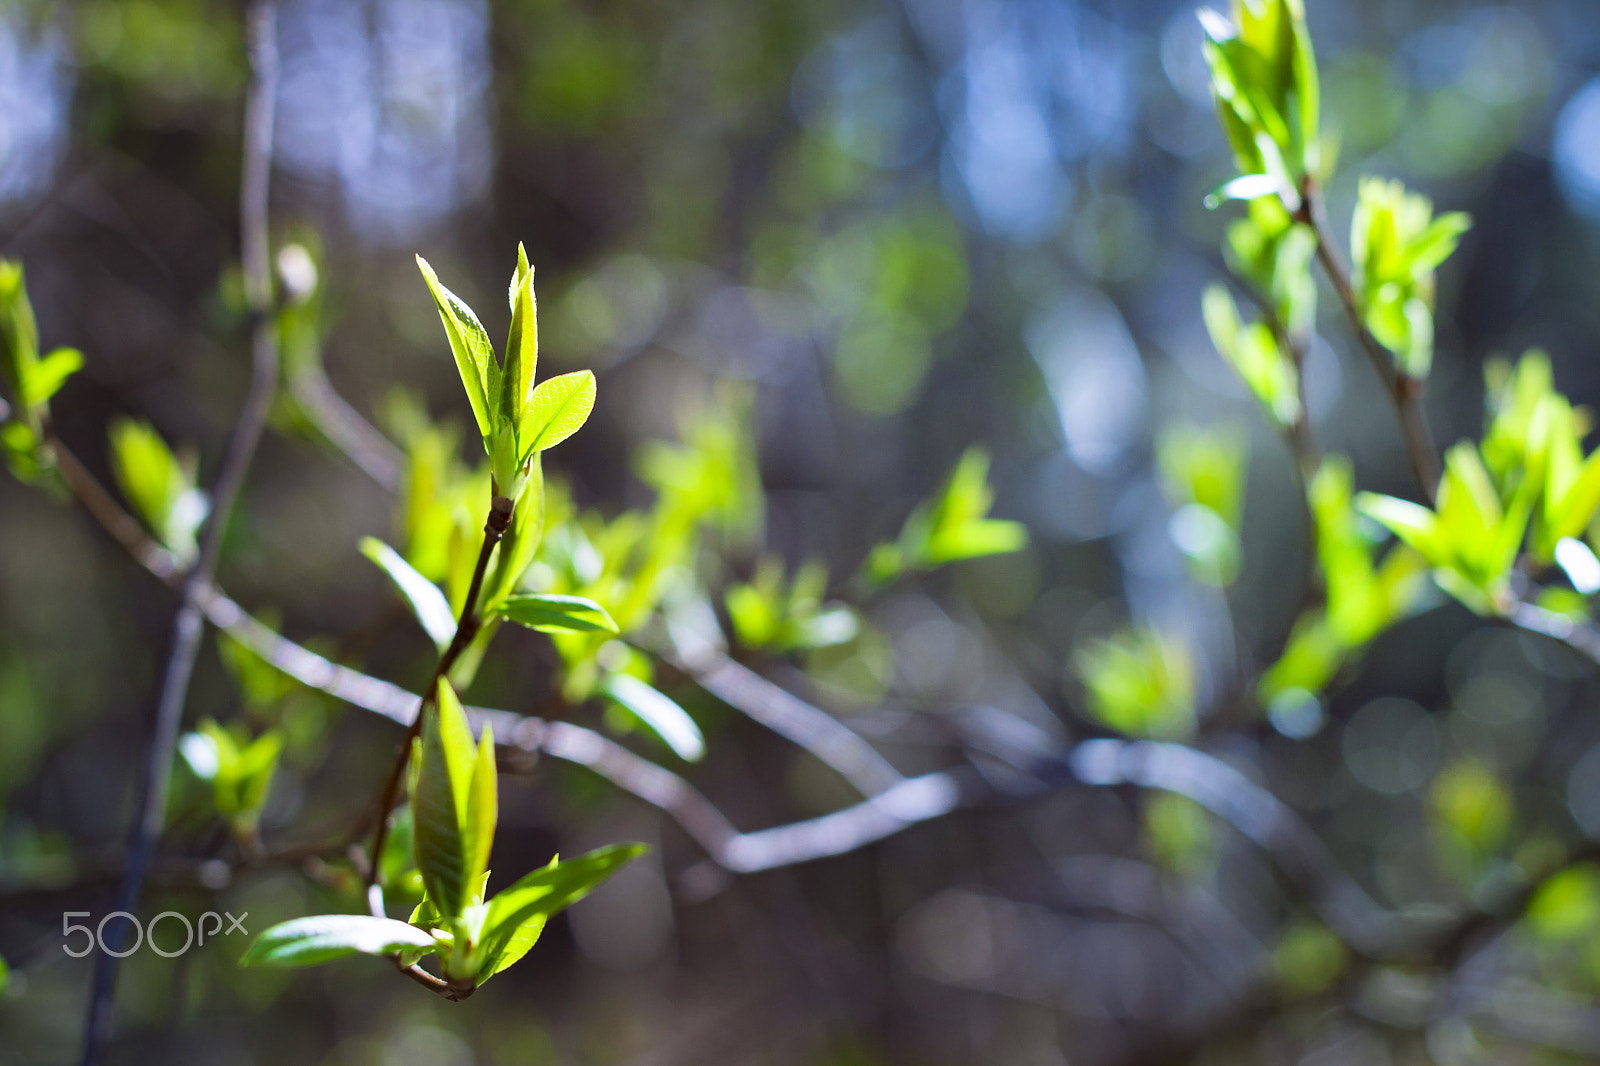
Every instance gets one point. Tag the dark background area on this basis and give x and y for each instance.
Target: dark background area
(909, 228)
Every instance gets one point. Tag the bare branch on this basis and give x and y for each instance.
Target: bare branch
(188, 628)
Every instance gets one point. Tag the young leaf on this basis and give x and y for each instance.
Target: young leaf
(482, 810)
(427, 602)
(551, 613)
(522, 349)
(443, 787)
(323, 937)
(518, 913)
(480, 374)
(46, 377)
(558, 408)
(669, 721)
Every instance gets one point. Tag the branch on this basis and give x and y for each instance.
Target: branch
(360, 442)
(467, 627)
(1404, 391)
(786, 714)
(260, 99)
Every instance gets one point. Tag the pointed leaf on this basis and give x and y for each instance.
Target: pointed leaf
(1412, 523)
(482, 811)
(522, 349)
(507, 932)
(427, 601)
(664, 717)
(560, 405)
(470, 345)
(308, 941)
(443, 781)
(549, 613)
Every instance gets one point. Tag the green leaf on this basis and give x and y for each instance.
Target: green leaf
(323, 937)
(474, 355)
(559, 407)
(160, 488)
(46, 377)
(549, 613)
(482, 810)
(975, 539)
(522, 350)
(443, 787)
(1412, 523)
(429, 604)
(519, 912)
(664, 717)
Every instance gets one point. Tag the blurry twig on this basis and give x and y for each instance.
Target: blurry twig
(1405, 391)
(359, 440)
(260, 99)
(788, 715)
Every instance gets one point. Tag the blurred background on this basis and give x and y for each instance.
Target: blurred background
(908, 228)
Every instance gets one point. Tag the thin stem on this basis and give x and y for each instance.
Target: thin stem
(1404, 390)
(466, 628)
(189, 625)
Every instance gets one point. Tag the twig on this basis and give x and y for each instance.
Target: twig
(791, 717)
(260, 100)
(357, 439)
(1404, 391)
(467, 627)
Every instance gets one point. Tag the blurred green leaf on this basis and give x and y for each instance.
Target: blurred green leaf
(160, 488)
(1139, 682)
(664, 717)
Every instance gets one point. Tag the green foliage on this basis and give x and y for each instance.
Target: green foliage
(1308, 958)
(239, 769)
(1179, 832)
(656, 710)
(1264, 78)
(517, 914)
(952, 526)
(1139, 682)
(768, 612)
(429, 605)
(453, 805)
(1203, 474)
(1470, 539)
(159, 485)
(1364, 596)
(1254, 353)
(1567, 904)
(325, 937)
(550, 613)
(1273, 252)
(1472, 810)
(516, 419)
(1396, 244)
(29, 380)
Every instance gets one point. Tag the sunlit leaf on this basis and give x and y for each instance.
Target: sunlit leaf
(664, 717)
(427, 602)
(323, 937)
(550, 613)
(558, 409)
